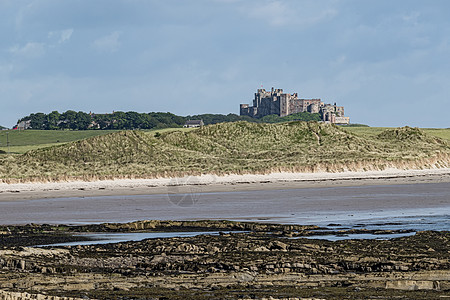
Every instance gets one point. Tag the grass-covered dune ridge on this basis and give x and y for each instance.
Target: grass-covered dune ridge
(228, 148)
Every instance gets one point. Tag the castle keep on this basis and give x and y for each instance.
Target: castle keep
(275, 102)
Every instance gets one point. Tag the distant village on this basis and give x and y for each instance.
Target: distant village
(275, 102)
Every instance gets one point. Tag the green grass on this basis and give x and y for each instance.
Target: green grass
(438, 132)
(25, 140)
(370, 132)
(229, 148)
(22, 141)
(25, 148)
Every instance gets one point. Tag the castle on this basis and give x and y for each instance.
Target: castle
(275, 102)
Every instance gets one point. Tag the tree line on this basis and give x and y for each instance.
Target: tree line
(301, 116)
(119, 120)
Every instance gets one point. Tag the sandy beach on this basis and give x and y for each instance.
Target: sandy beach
(211, 183)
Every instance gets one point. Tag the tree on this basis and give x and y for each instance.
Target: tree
(52, 120)
(67, 119)
(82, 121)
(103, 121)
(133, 120)
(301, 116)
(153, 120)
(119, 120)
(37, 120)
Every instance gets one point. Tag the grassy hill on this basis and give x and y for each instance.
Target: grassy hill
(226, 148)
(370, 132)
(26, 140)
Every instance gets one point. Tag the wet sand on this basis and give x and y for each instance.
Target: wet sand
(282, 197)
(318, 205)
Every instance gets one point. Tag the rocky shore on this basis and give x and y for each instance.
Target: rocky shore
(266, 260)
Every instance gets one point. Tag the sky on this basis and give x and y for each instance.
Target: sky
(387, 62)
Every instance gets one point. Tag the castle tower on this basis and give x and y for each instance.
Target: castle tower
(244, 110)
(284, 105)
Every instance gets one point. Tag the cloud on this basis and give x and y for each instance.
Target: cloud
(62, 36)
(339, 61)
(66, 35)
(38, 49)
(279, 13)
(30, 50)
(21, 14)
(6, 70)
(109, 43)
(227, 1)
(276, 13)
(412, 18)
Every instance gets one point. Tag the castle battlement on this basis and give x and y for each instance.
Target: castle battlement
(275, 102)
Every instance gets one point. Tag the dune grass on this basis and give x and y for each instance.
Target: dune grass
(228, 148)
(366, 132)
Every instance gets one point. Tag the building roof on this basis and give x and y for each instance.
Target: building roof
(194, 122)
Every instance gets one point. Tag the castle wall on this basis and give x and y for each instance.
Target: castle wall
(269, 106)
(339, 111)
(243, 110)
(342, 120)
(314, 108)
(275, 102)
(295, 106)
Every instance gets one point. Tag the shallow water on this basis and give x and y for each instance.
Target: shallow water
(409, 206)
(109, 238)
(416, 223)
(363, 236)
